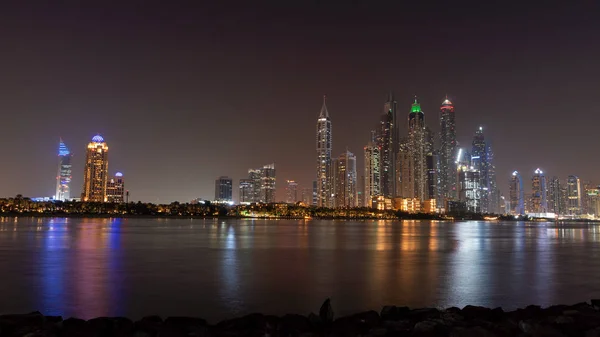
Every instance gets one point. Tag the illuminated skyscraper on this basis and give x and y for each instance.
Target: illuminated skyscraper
(246, 191)
(344, 180)
(469, 188)
(573, 195)
(516, 194)
(324, 142)
(63, 179)
(224, 189)
(267, 183)
(405, 170)
(448, 152)
(420, 149)
(387, 141)
(115, 188)
(555, 204)
(538, 192)
(372, 187)
(96, 171)
(291, 192)
(255, 176)
(482, 157)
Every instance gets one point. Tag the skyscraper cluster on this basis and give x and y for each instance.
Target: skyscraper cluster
(97, 186)
(408, 171)
(259, 187)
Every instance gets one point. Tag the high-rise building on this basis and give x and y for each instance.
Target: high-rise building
(315, 193)
(324, 143)
(539, 201)
(344, 180)
(255, 175)
(555, 196)
(224, 189)
(291, 192)
(417, 152)
(387, 141)
(96, 171)
(516, 194)
(573, 195)
(372, 187)
(63, 179)
(494, 201)
(267, 185)
(115, 189)
(469, 188)
(448, 152)
(307, 194)
(482, 161)
(593, 196)
(247, 191)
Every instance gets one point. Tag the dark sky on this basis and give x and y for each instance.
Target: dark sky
(186, 91)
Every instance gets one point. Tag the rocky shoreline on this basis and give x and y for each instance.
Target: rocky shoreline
(582, 319)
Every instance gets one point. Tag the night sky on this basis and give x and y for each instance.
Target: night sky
(186, 91)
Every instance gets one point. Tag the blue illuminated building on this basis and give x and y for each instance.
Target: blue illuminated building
(63, 179)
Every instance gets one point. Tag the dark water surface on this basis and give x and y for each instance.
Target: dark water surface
(217, 269)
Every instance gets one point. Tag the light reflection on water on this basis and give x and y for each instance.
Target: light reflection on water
(224, 268)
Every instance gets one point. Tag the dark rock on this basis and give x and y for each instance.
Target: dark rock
(111, 326)
(326, 312)
(74, 327)
(424, 314)
(53, 319)
(248, 322)
(428, 327)
(377, 332)
(148, 326)
(394, 313)
(473, 312)
(314, 320)
(293, 323)
(595, 304)
(476, 331)
(564, 320)
(398, 326)
(183, 326)
(593, 332)
(527, 326)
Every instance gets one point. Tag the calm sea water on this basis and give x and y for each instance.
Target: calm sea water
(218, 269)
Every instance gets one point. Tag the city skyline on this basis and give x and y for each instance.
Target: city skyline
(177, 100)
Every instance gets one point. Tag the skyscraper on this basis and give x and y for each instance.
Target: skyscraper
(516, 194)
(538, 192)
(555, 196)
(63, 179)
(255, 176)
(420, 147)
(246, 191)
(387, 141)
(573, 195)
(324, 143)
(344, 180)
(469, 188)
(115, 188)
(267, 183)
(224, 189)
(291, 192)
(448, 151)
(481, 157)
(372, 187)
(96, 171)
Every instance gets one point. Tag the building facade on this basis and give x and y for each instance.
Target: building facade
(539, 200)
(324, 146)
(387, 141)
(554, 196)
(482, 161)
(63, 178)
(267, 186)
(372, 176)
(291, 192)
(516, 194)
(573, 195)
(448, 152)
(247, 191)
(469, 181)
(344, 181)
(115, 188)
(224, 189)
(96, 171)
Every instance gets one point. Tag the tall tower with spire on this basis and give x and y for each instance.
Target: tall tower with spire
(63, 178)
(387, 141)
(324, 142)
(96, 171)
(448, 152)
(420, 148)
